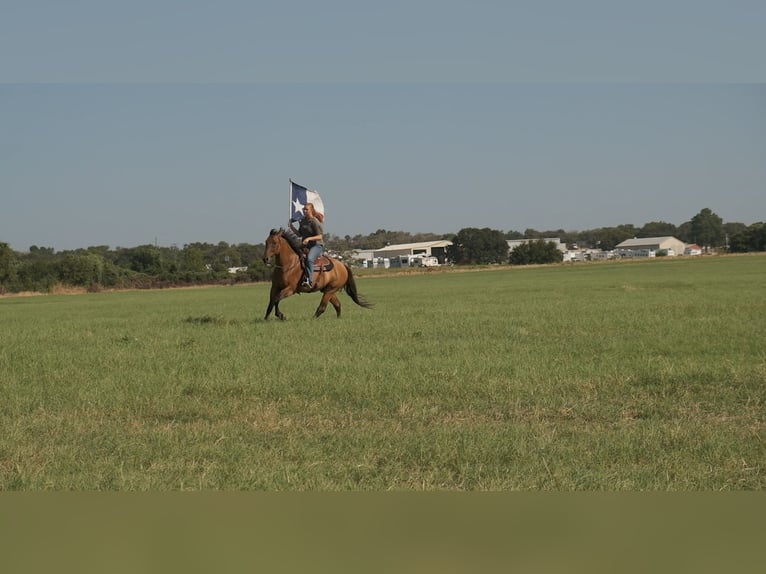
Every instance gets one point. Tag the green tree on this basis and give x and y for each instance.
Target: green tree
(250, 254)
(41, 252)
(258, 271)
(731, 228)
(8, 265)
(111, 275)
(228, 255)
(752, 238)
(472, 245)
(538, 251)
(657, 229)
(530, 233)
(707, 229)
(81, 269)
(685, 232)
(568, 237)
(143, 259)
(37, 274)
(758, 236)
(606, 238)
(193, 260)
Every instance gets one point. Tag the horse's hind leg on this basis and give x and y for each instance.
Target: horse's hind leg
(335, 303)
(326, 297)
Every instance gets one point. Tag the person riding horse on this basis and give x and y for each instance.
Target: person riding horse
(310, 231)
(282, 248)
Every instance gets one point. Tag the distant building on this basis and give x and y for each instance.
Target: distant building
(693, 249)
(649, 246)
(362, 254)
(421, 254)
(436, 249)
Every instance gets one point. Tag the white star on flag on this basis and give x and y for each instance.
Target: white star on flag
(299, 197)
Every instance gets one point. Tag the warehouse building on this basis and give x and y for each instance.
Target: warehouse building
(436, 249)
(646, 245)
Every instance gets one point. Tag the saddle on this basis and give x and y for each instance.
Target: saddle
(323, 263)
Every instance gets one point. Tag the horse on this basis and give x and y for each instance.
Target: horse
(330, 276)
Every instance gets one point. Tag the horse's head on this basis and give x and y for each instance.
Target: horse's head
(273, 244)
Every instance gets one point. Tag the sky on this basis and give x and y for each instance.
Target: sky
(164, 122)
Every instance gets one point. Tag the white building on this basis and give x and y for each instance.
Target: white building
(640, 246)
(436, 249)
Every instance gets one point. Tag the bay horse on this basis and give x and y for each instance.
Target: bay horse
(330, 276)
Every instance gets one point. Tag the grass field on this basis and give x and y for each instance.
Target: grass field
(606, 376)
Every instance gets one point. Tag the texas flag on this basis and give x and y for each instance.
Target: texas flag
(300, 196)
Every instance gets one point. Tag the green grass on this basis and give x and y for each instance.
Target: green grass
(616, 376)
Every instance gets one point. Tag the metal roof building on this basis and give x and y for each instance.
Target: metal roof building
(436, 248)
(653, 244)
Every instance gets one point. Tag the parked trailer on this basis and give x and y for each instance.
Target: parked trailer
(426, 261)
(419, 260)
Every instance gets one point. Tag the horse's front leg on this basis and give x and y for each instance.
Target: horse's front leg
(276, 298)
(273, 292)
(268, 311)
(277, 313)
(275, 295)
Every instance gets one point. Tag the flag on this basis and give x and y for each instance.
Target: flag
(300, 196)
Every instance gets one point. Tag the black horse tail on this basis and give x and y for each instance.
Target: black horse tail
(352, 292)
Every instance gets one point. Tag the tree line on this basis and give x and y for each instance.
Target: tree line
(152, 266)
(144, 266)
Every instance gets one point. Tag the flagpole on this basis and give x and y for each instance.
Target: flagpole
(289, 199)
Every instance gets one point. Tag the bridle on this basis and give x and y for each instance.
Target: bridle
(279, 239)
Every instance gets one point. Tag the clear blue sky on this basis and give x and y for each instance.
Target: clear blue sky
(129, 123)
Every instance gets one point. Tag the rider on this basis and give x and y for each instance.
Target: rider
(310, 230)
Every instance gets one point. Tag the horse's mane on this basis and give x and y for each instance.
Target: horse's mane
(292, 239)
